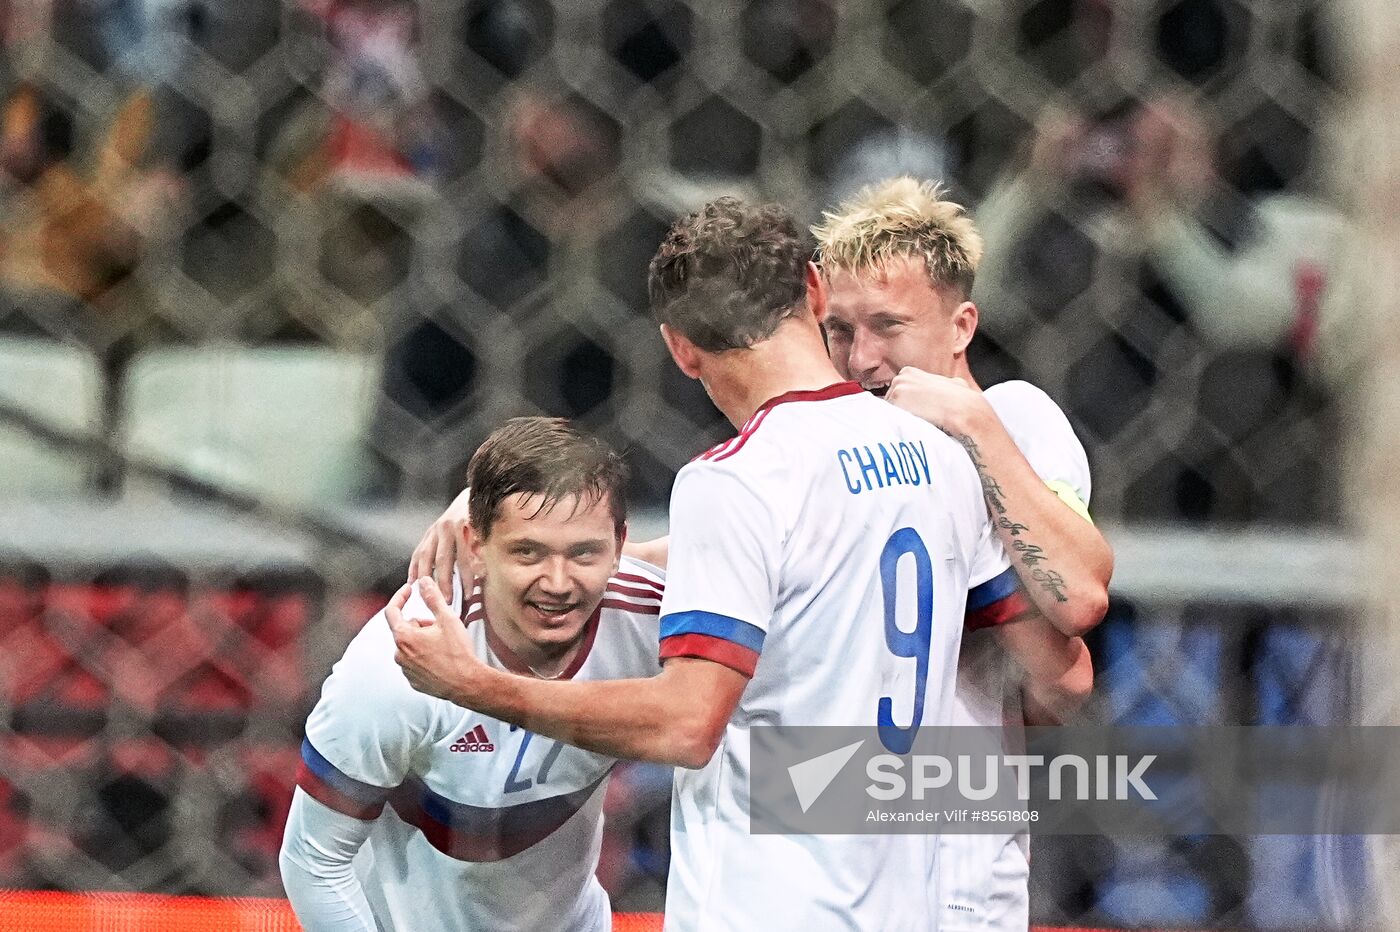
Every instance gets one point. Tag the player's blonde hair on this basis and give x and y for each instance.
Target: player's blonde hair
(901, 218)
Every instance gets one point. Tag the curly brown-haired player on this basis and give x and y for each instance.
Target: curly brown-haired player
(820, 567)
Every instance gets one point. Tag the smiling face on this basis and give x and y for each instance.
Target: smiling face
(879, 322)
(544, 571)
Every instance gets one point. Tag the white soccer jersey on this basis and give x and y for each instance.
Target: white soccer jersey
(984, 878)
(787, 544)
(477, 824)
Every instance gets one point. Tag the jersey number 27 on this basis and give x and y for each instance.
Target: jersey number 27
(514, 784)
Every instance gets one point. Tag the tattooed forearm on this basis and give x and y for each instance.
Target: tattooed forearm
(1028, 554)
(991, 489)
(1010, 526)
(1031, 554)
(1052, 582)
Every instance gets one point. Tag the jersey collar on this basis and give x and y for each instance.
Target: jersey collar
(734, 444)
(508, 658)
(838, 390)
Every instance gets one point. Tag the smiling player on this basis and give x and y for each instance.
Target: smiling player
(413, 813)
(900, 262)
(793, 546)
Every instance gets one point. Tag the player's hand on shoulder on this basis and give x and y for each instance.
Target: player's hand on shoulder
(436, 553)
(436, 657)
(950, 404)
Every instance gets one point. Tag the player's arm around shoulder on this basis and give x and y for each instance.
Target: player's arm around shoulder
(675, 717)
(711, 635)
(1061, 559)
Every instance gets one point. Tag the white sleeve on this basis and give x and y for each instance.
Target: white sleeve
(415, 609)
(989, 559)
(722, 575)
(1044, 436)
(365, 729)
(318, 851)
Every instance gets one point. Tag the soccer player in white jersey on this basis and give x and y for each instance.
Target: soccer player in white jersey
(787, 543)
(899, 260)
(413, 813)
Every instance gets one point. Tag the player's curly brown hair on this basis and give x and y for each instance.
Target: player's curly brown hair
(728, 274)
(546, 457)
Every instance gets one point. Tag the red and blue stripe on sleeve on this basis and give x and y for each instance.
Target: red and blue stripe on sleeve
(327, 785)
(997, 601)
(735, 644)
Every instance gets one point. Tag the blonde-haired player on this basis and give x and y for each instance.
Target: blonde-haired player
(900, 259)
(783, 581)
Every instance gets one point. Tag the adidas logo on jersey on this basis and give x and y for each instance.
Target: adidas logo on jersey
(474, 740)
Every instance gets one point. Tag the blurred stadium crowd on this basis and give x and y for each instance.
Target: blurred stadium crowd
(367, 230)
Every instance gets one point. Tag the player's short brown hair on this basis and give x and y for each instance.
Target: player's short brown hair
(547, 457)
(896, 219)
(728, 274)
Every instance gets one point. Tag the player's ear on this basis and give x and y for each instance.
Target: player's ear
(684, 352)
(965, 325)
(475, 558)
(621, 542)
(816, 292)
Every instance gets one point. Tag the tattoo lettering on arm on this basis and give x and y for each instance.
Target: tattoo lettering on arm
(991, 490)
(1051, 582)
(1029, 555)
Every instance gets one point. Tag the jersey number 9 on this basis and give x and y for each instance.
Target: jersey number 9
(913, 644)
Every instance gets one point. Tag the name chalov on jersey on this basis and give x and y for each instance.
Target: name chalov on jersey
(788, 544)
(476, 823)
(889, 463)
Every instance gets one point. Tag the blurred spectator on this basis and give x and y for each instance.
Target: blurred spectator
(564, 143)
(562, 152)
(367, 153)
(383, 122)
(1125, 277)
(1285, 283)
(71, 238)
(1260, 288)
(373, 129)
(508, 35)
(1264, 293)
(138, 36)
